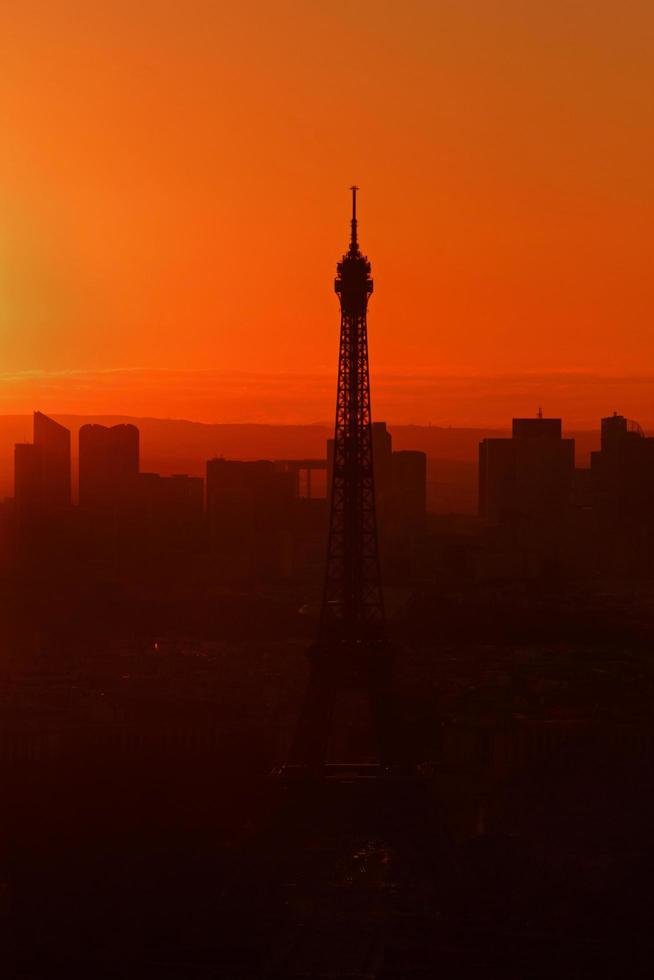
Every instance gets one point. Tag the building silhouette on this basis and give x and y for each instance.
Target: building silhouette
(108, 464)
(621, 481)
(400, 479)
(622, 471)
(408, 487)
(169, 509)
(28, 480)
(310, 476)
(53, 442)
(382, 454)
(528, 478)
(351, 654)
(353, 604)
(42, 471)
(249, 508)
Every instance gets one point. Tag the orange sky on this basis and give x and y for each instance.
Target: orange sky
(173, 191)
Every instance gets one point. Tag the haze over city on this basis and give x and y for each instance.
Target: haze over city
(326, 523)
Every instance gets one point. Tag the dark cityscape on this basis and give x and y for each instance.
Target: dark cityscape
(326, 511)
(229, 750)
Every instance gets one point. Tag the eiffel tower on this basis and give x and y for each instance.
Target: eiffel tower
(351, 652)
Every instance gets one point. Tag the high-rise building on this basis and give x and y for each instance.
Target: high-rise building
(622, 472)
(42, 469)
(53, 441)
(263, 489)
(169, 499)
(248, 512)
(382, 452)
(409, 487)
(528, 477)
(27, 479)
(108, 464)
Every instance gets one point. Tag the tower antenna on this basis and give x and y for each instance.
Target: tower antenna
(354, 244)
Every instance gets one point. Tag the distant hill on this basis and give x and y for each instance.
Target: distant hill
(178, 446)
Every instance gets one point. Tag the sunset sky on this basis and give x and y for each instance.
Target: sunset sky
(173, 192)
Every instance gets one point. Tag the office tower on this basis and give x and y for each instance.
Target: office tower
(256, 488)
(528, 477)
(108, 464)
(248, 513)
(169, 501)
(622, 472)
(382, 452)
(53, 442)
(409, 487)
(27, 478)
(42, 469)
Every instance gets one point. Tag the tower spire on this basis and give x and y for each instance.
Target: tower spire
(354, 244)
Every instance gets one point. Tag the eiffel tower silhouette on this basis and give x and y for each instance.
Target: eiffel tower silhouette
(351, 653)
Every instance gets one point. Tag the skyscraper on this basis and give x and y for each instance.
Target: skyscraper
(409, 487)
(42, 469)
(108, 463)
(53, 442)
(248, 513)
(528, 477)
(622, 473)
(27, 480)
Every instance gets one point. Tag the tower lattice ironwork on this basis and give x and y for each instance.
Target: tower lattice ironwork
(353, 605)
(351, 652)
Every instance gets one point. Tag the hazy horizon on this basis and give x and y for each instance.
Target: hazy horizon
(581, 399)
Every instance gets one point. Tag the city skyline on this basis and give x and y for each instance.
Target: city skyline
(326, 583)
